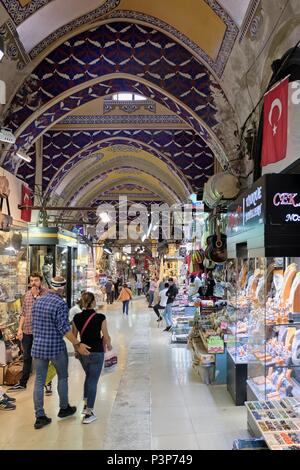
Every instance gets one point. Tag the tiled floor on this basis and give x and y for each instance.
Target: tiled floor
(185, 413)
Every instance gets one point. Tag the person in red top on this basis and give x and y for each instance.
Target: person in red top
(25, 327)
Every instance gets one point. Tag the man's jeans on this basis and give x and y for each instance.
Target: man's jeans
(92, 366)
(125, 306)
(60, 363)
(151, 296)
(26, 345)
(168, 314)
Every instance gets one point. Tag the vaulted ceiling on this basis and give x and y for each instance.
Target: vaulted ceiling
(73, 56)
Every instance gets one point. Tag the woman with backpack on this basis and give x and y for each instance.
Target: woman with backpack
(125, 297)
(92, 328)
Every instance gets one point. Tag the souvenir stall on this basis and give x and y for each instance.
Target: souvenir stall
(13, 268)
(52, 252)
(264, 251)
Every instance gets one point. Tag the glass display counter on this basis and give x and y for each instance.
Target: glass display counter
(13, 280)
(274, 335)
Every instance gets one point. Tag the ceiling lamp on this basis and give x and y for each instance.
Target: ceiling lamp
(23, 156)
(7, 136)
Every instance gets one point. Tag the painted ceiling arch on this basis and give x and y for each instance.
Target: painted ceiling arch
(206, 27)
(124, 48)
(116, 178)
(189, 158)
(80, 178)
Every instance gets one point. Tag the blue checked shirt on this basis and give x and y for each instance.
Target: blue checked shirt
(49, 325)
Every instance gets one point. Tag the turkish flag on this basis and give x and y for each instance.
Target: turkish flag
(275, 124)
(26, 201)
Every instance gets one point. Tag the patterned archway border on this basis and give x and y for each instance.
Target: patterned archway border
(123, 187)
(80, 24)
(91, 195)
(173, 68)
(95, 179)
(89, 152)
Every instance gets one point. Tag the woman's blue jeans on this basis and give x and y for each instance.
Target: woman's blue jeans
(92, 366)
(125, 306)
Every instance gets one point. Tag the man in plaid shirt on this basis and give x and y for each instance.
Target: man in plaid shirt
(50, 324)
(25, 327)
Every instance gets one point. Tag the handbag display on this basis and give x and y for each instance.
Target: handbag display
(6, 220)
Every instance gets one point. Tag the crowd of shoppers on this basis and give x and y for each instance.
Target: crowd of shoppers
(44, 324)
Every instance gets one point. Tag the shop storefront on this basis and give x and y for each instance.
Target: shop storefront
(264, 273)
(13, 268)
(53, 251)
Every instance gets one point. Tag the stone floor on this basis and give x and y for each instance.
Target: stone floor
(151, 400)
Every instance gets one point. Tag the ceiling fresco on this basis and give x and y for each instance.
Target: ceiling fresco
(98, 48)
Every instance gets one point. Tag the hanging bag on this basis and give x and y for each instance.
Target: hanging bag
(6, 220)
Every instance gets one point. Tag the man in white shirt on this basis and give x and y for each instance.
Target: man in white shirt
(162, 301)
(195, 284)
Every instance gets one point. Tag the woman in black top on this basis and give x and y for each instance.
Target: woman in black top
(93, 332)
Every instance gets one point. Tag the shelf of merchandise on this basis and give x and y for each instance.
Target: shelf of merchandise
(277, 421)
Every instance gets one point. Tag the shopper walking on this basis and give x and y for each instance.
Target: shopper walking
(139, 287)
(116, 291)
(171, 294)
(92, 328)
(162, 303)
(24, 333)
(109, 291)
(152, 288)
(50, 324)
(125, 297)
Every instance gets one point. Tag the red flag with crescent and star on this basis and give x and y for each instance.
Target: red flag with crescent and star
(26, 201)
(275, 123)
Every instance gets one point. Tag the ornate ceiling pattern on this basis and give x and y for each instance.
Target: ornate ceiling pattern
(186, 149)
(122, 46)
(21, 10)
(110, 49)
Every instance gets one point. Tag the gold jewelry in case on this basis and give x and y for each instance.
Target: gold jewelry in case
(294, 298)
(288, 278)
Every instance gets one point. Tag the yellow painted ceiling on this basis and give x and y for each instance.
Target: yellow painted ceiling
(198, 22)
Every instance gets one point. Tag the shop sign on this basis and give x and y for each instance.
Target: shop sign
(247, 211)
(284, 201)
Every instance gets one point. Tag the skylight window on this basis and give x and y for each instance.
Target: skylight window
(128, 97)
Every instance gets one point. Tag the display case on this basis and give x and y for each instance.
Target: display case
(274, 336)
(52, 252)
(13, 282)
(238, 272)
(263, 225)
(80, 271)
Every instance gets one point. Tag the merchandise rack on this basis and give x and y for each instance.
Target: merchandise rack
(277, 421)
